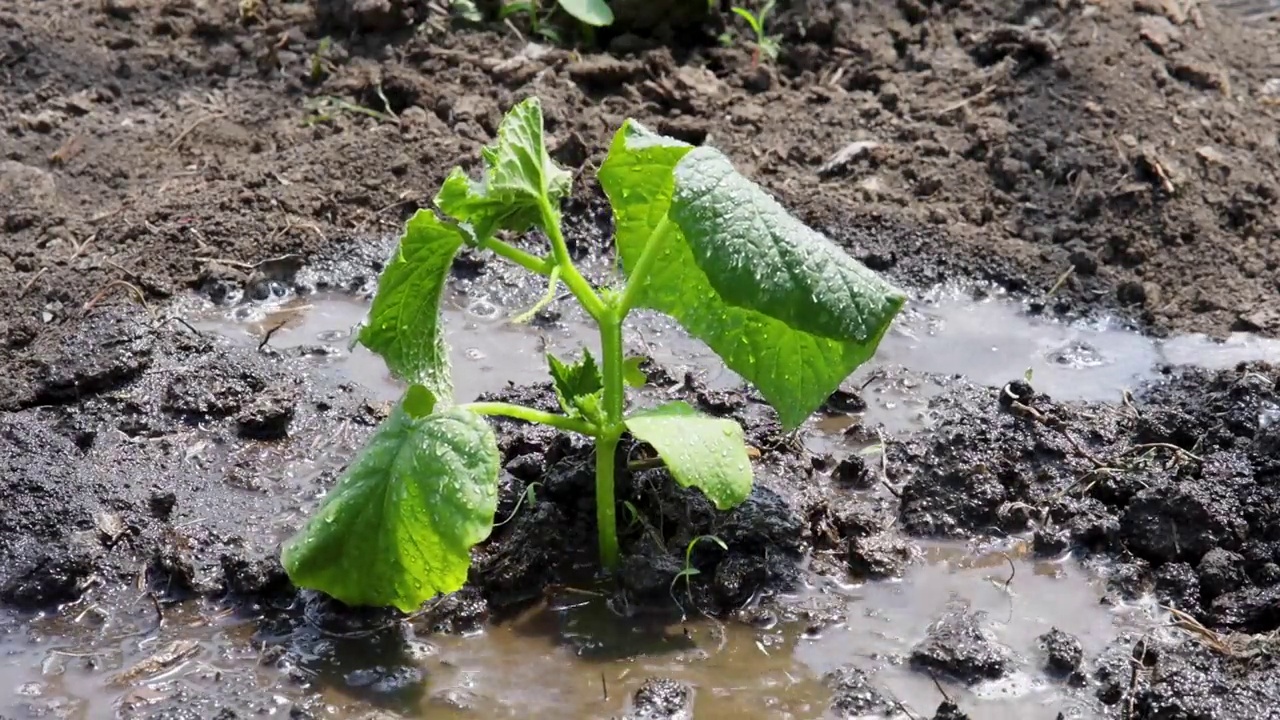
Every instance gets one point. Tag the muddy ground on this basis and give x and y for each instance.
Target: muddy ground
(1116, 157)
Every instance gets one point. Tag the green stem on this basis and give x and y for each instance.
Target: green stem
(607, 441)
(606, 516)
(640, 273)
(521, 412)
(572, 279)
(532, 263)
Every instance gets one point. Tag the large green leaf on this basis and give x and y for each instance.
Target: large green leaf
(794, 368)
(758, 256)
(404, 322)
(518, 174)
(399, 526)
(699, 450)
(591, 12)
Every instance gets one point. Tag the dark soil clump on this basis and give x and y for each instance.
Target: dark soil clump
(1176, 489)
(957, 646)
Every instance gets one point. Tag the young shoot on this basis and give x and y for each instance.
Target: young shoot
(782, 305)
(765, 44)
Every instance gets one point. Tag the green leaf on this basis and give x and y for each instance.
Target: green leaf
(751, 19)
(399, 526)
(758, 256)
(404, 322)
(699, 450)
(418, 401)
(591, 12)
(518, 175)
(632, 374)
(579, 387)
(796, 370)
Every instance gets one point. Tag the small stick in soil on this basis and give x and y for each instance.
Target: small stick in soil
(1167, 446)
(32, 281)
(1062, 280)
(190, 128)
(119, 283)
(1039, 417)
(1013, 571)
(934, 677)
(122, 268)
(155, 603)
(884, 467)
(604, 686)
(80, 247)
(108, 214)
(1135, 664)
(267, 338)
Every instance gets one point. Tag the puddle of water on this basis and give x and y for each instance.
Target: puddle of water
(487, 349)
(988, 342)
(573, 657)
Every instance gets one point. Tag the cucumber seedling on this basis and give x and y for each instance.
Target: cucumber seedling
(765, 44)
(782, 305)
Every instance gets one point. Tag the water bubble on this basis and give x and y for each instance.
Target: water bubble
(1078, 354)
(473, 353)
(482, 308)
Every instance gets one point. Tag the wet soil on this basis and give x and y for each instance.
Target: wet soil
(1095, 159)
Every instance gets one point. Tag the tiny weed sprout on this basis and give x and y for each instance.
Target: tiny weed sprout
(782, 305)
(765, 44)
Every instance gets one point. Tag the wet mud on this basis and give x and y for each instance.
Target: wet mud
(952, 516)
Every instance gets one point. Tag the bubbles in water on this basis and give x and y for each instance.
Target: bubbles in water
(482, 308)
(331, 336)
(474, 354)
(1077, 354)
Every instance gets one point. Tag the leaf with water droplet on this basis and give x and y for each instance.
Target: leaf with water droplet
(699, 450)
(804, 332)
(399, 526)
(518, 173)
(404, 322)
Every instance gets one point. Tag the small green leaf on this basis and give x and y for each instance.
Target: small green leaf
(794, 369)
(399, 526)
(418, 401)
(578, 386)
(699, 450)
(591, 12)
(518, 174)
(747, 15)
(631, 372)
(404, 322)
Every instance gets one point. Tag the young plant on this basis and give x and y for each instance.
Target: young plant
(591, 13)
(765, 44)
(782, 305)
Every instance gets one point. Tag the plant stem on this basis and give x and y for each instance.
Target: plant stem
(611, 354)
(636, 279)
(532, 263)
(607, 440)
(606, 517)
(572, 279)
(520, 412)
